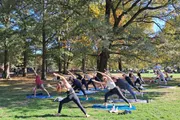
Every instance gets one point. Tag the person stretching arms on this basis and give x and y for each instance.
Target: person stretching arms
(39, 84)
(71, 96)
(76, 84)
(113, 89)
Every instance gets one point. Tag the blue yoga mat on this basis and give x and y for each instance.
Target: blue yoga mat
(93, 89)
(130, 100)
(110, 106)
(89, 99)
(87, 92)
(38, 96)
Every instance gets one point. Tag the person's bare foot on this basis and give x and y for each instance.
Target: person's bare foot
(87, 115)
(105, 104)
(130, 106)
(57, 114)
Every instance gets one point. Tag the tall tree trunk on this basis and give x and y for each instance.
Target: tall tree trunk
(46, 66)
(98, 62)
(5, 57)
(120, 64)
(60, 65)
(65, 63)
(59, 59)
(104, 56)
(84, 64)
(43, 76)
(25, 63)
(108, 10)
(6, 64)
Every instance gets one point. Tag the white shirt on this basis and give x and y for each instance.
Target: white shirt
(110, 84)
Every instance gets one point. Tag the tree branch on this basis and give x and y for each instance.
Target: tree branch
(125, 12)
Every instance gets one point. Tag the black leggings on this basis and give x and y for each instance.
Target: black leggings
(137, 81)
(128, 88)
(131, 83)
(84, 83)
(72, 97)
(90, 81)
(117, 91)
(80, 88)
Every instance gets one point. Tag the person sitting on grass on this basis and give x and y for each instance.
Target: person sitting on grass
(161, 77)
(71, 96)
(167, 78)
(39, 85)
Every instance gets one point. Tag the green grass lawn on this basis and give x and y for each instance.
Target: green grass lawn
(164, 104)
(149, 75)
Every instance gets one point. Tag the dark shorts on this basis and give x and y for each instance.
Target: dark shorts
(41, 86)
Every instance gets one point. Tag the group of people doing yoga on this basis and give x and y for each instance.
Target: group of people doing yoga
(115, 85)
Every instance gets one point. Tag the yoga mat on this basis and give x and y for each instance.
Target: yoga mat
(39, 95)
(93, 89)
(103, 90)
(130, 100)
(89, 99)
(87, 92)
(166, 86)
(145, 85)
(137, 93)
(110, 106)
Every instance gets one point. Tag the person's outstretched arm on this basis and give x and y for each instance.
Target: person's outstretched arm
(34, 71)
(63, 78)
(71, 74)
(107, 72)
(109, 78)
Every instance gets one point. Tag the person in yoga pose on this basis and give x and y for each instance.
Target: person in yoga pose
(123, 85)
(39, 84)
(130, 82)
(93, 80)
(83, 80)
(113, 89)
(138, 79)
(76, 84)
(71, 96)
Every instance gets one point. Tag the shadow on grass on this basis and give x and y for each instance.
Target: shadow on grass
(153, 95)
(173, 83)
(44, 116)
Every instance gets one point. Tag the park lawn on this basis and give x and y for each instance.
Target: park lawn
(164, 104)
(151, 75)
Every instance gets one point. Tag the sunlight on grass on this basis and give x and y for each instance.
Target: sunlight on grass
(163, 104)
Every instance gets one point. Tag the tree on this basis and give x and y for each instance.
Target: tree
(133, 13)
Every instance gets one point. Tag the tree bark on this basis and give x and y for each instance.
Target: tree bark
(43, 76)
(64, 66)
(104, 56)
(108, 10)
(60, 65)
(84, 64)
(25, 63)
(120, 64)
(5, 57)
